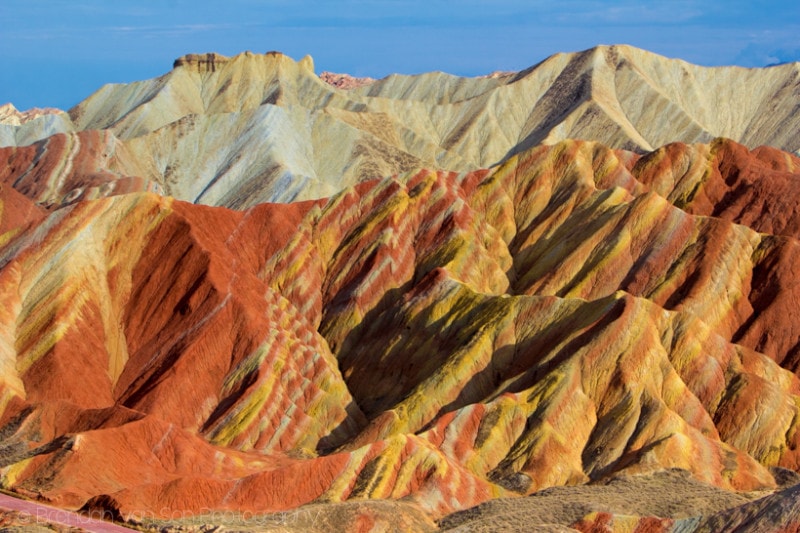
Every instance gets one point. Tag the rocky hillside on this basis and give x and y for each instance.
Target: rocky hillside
(565, 295)
(238, 131)
(575, 314)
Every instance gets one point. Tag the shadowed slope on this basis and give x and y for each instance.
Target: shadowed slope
(654, 504)
(441, 337)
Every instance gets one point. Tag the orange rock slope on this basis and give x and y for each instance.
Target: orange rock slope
(444, 338)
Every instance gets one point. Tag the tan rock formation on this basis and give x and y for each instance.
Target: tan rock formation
(236, 131)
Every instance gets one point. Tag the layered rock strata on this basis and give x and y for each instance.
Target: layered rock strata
(238, 131)
(442, 338)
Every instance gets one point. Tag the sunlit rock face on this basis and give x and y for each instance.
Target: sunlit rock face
(443, 338)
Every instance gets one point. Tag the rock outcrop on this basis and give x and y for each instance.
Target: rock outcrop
(345, 81)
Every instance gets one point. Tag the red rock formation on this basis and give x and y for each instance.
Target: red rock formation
(17, 213)
(345, 81)
(726, 180)
(445, 338)
(606, 522)
(66, 168)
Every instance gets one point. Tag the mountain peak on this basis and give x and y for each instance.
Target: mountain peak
(12, 116)
(297, 127)
(497, 285)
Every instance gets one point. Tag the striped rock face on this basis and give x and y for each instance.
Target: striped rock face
(66, 168)
(238, 131)
(441, 338)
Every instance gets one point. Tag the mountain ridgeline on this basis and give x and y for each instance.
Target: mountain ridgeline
(558, 298)
(252, 128)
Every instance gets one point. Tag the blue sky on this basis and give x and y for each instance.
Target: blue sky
(57, 52)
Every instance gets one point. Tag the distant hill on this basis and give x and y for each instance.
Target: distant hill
(236, 131)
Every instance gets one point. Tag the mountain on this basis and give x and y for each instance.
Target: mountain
(559, 298)
(576, 314)
(26, 127)
(238, 131)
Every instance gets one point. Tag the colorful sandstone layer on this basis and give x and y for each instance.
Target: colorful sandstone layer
(441, 338)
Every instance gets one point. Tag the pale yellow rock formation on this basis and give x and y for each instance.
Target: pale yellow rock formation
(236, 131)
